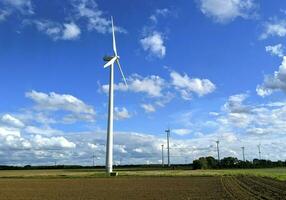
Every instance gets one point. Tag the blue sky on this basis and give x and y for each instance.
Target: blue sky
(208, 69)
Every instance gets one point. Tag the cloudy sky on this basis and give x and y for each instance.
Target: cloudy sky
(208, 69)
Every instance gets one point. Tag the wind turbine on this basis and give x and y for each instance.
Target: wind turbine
(110, 63)
(217, 148)
(168, 145)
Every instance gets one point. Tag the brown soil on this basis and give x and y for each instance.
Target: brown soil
(142, 188)
(248, 187)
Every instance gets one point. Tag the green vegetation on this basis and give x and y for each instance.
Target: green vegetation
(234, 163)
(276, 173)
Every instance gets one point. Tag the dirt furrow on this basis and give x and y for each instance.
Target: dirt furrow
(236, 190)
(265, 188)
(277, 184)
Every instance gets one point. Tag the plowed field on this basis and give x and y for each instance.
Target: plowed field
(218, 187)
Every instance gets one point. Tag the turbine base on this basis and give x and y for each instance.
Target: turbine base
(113, 174)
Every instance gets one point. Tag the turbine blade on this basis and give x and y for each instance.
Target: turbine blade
(120, 69)
(113, 38)
(110, 62)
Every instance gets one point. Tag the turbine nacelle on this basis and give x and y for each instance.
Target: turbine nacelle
(109, 58)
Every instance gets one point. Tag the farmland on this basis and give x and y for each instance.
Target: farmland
(143, 184)
(275, 173)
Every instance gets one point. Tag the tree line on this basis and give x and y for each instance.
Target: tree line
(232, 162)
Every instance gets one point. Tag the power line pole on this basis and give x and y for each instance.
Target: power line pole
(93, 159)
(162, 155)
(243, 156)
(217, 147)
(168, 145)
(259, 151)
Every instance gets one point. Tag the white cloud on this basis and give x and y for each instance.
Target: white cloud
(121, 113)
(4, 14)
(235, 104)
(120, 148)
(238, 114)
(259, 120)
(182, 132)
(30, 116)
(138, 150)
(12, 121)
(42, 130)
(187, 86)
(154, 44)
(152, 40)
(24, 6)
(6, 131)
(8, 7)
(57, 31)
(238, 123)
(213, 114)
(88, 9)
(224, 11)
(166, 98)
(14, 142)
(276, 50)
(54, 102)
(51, 29)
(274, 28)
(159, 12)
(148, 108)
(150, 85)
(162, 91)
(71, 31)
(274, 82)
(75, 117)
(10, 137)
(92, 146)
(229, 137)
(263, 91)
(52, 142)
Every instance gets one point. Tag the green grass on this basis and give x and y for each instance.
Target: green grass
(276, 173)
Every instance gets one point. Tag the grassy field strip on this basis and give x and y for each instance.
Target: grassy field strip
(276, 173)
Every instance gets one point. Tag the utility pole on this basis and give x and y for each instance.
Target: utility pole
(217, 147)
(168, 145)
(93, 159)
(162, 155)
(259, 151)
(243, 156)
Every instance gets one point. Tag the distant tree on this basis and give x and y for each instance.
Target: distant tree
(205, 163)
(197, 164)
(229, 162)
(211, 162)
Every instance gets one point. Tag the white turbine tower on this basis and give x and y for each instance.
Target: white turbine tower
(110, 63)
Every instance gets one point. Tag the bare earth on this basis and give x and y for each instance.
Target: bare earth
(231, 187)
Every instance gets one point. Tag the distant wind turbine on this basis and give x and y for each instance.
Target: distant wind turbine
(259, 150)
(168, 145)
(217, 147)
(110, 63)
